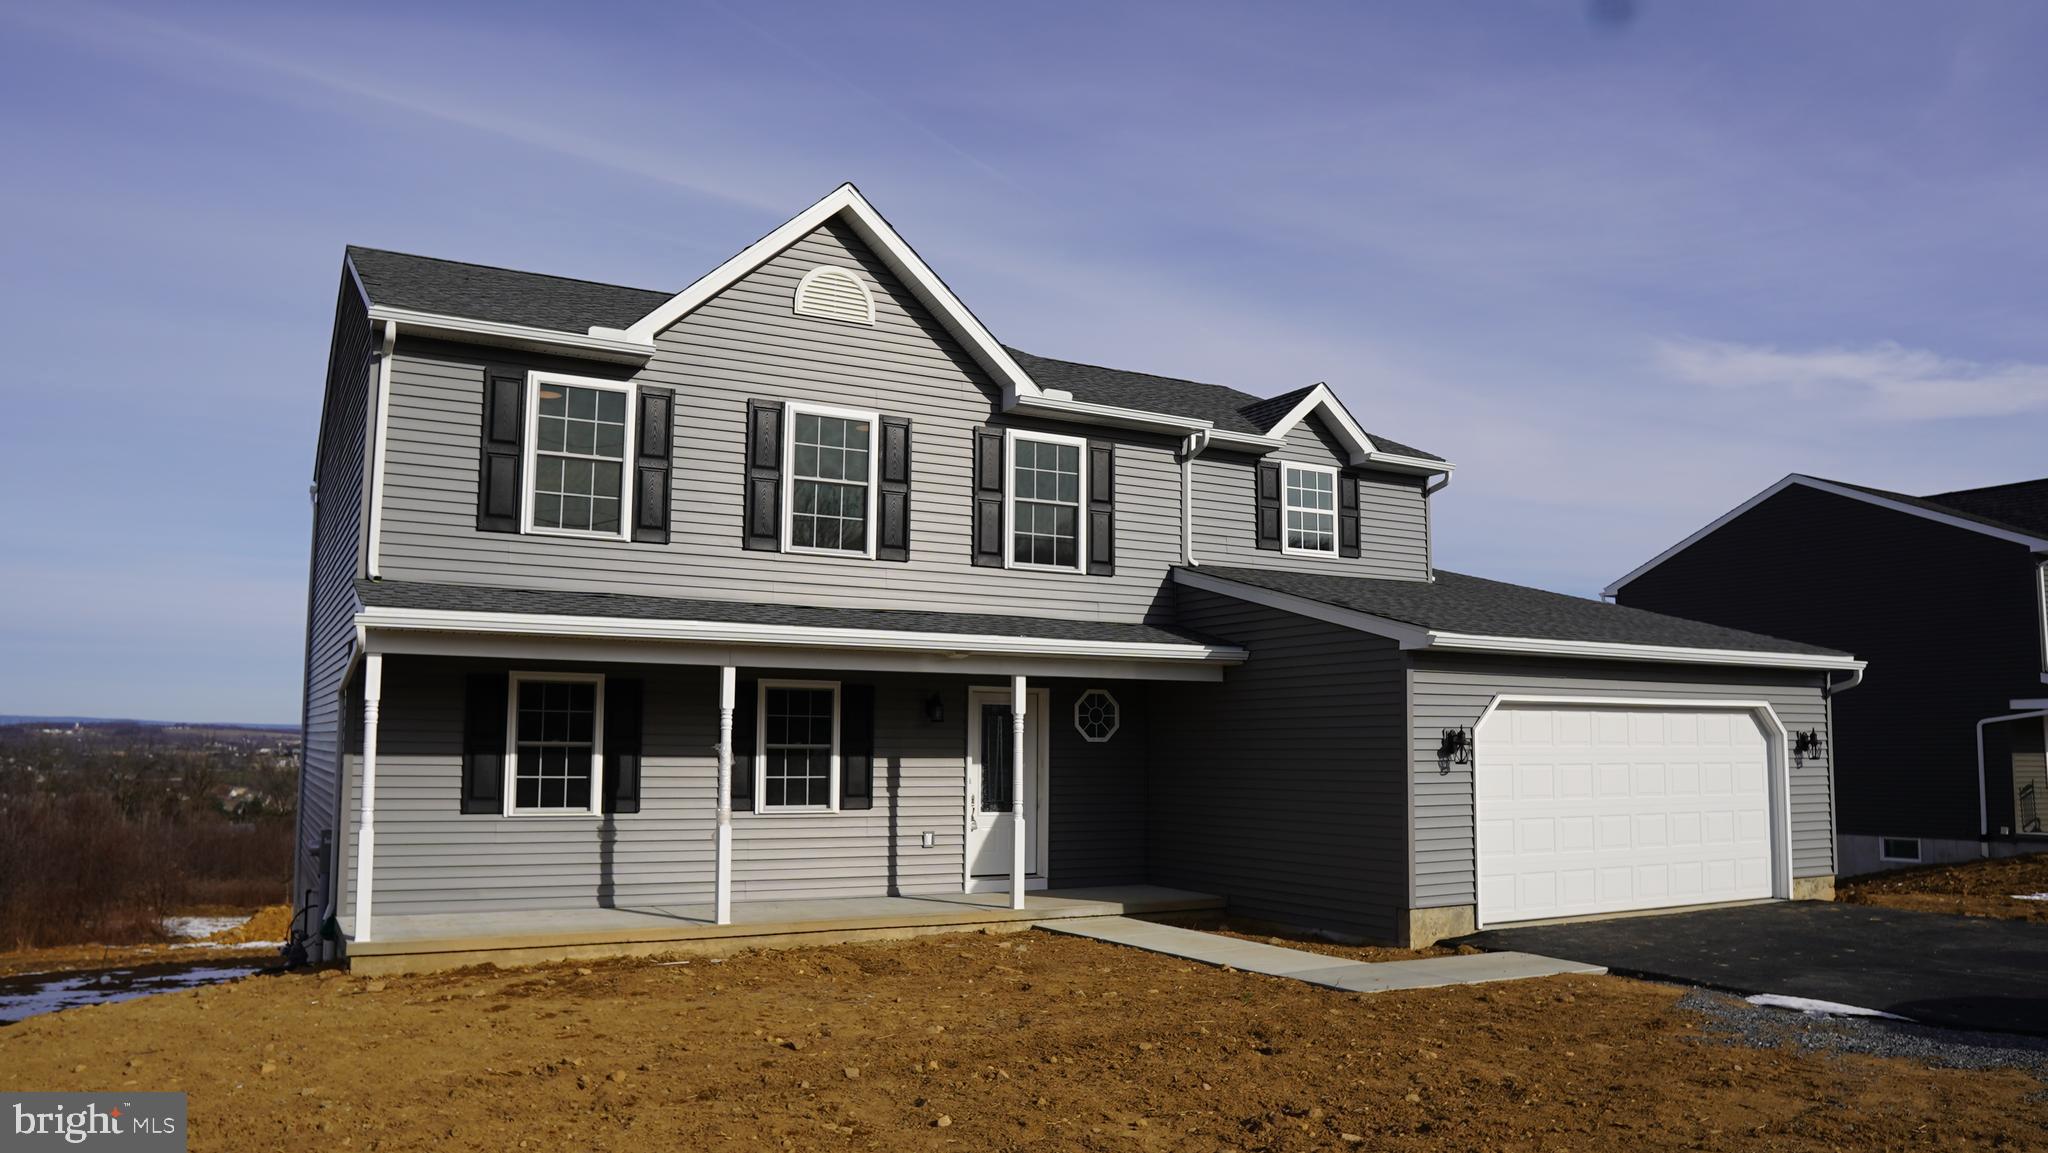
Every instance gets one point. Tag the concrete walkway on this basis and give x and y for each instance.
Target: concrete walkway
(1315, 968)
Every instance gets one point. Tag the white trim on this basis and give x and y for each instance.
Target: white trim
(761, 805)
(1983, 790)
(796, 300)
(528, 470)
(1010, 439)
(381, 398)
(790, 410)
(2038, 544)
(868, 224)
(1777, 741)
(1356, 442)
(2041, 601)
(1039, 707)
(434, 324)
(1412, 636)
(1115, 725)
(1912, 860)
(1331, 553)
(511, 782)
(366, 820)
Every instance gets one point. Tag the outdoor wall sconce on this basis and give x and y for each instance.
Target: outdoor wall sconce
(1806, 744)
(1455, 748)
(935, 709)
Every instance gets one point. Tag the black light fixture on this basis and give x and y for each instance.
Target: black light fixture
(1455, 748)
(935, 708)
(1806, 744)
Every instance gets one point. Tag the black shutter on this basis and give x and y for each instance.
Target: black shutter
(894, 543)
(746, 707)
(764, 475)
(497, 480)
(1269, 505)
(1347, 515)
(856, 746)
(1101, 508)
(651, 466)
(988, 497)
(483, 744)
(622, 729)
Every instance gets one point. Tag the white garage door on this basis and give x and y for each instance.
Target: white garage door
(1600, 810)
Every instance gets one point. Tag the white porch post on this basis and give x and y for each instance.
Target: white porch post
(1017, 823)
(727, 697)
(366, 824)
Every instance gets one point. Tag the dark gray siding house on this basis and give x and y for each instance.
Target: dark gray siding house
(796, 591)
(1941, 747)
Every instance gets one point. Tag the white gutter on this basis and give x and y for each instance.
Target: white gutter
(625, 351)
(728, 633)
(1983, 797)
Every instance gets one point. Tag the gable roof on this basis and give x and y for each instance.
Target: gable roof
(1456, 611)
(2022, 505)
(483, 292)
(1938, 509)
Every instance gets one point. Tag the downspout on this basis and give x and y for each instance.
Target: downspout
(380, 397)
(1827, 703)
(1190, 448)
(1983, 795)
(1429, 527)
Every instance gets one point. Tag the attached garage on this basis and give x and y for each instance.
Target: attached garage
(1585, 807)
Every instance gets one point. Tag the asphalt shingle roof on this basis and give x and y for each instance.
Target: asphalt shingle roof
(1982, 505)
(481, 292)
(484, 599)
(1457, 603)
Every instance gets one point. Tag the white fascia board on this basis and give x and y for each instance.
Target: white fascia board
(1085, 412)
(1245, 441)
(1415, 464)
(728, 633)
(2035, 543)
(463, 328)
(1409, 636)
(1361, 447)
(903, 260)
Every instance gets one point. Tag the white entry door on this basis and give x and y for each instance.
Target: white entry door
(990, 824)
(1585, 810)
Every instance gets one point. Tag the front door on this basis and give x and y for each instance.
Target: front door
(990, 824)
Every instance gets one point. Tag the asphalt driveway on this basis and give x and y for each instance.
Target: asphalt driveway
(1963, 972)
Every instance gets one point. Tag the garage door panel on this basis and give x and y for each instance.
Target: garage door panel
(1591, 810)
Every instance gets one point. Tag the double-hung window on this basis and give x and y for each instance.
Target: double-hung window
(831, 480)
(557, 723)
(1311, 509)
(799, 743)
(1046, 483)
(579, 428)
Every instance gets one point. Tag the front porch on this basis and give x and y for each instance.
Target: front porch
(422, 942)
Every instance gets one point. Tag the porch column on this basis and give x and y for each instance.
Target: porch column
(366, 824)
(722, 869)
(1018, 831)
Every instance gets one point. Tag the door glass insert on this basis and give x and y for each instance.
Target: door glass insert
(995, 758)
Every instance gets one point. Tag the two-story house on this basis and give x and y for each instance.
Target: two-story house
(637, 614)
(1947, 597)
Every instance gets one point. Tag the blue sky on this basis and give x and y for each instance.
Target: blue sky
(1626, 271)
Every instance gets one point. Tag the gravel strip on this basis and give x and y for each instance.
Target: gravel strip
(1734, 1021)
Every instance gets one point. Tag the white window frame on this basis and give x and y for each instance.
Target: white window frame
(530, 455)
(1010, 439)
(1919, 851)
(761, 804)
(790, 410)
(511, 782)
(1115, 705)
(1336, 513)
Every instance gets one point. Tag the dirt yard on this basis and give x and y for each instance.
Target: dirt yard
(1976, 889)
(254, 940)
(1021, 1041)
(1313, 944)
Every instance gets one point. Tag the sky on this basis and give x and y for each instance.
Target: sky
(1627, 264)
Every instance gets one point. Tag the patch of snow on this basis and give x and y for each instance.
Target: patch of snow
(228, 945)
(2030, 896)
(200, 928)
(1817, 1008)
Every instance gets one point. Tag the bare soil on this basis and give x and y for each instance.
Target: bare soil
(1975, 889)
(268, 924)
(972, 1042)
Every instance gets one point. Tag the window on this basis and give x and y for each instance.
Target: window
(579, 429)
(832, 474)
(1899, 848)
(556, 750)
(1096, 716)
(1311, 509)
(799, 744)
(1045, 501)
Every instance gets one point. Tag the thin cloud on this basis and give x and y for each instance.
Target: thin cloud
(1882, 381)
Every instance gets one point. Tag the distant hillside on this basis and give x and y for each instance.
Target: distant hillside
(12, 719)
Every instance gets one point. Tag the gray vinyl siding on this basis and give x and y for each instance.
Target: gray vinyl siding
(336, 558)
(1393, 513)
(433, 859)
(747, 344)
(1450, 691)
(1284, 787)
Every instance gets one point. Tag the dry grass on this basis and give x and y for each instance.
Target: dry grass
(1975, 889)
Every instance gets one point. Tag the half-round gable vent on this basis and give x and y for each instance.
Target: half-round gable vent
(835, 294)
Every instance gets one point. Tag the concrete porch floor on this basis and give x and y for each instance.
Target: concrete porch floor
(415, 943)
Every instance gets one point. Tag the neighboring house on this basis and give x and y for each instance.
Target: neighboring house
(798, 584)
(1941, 750)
